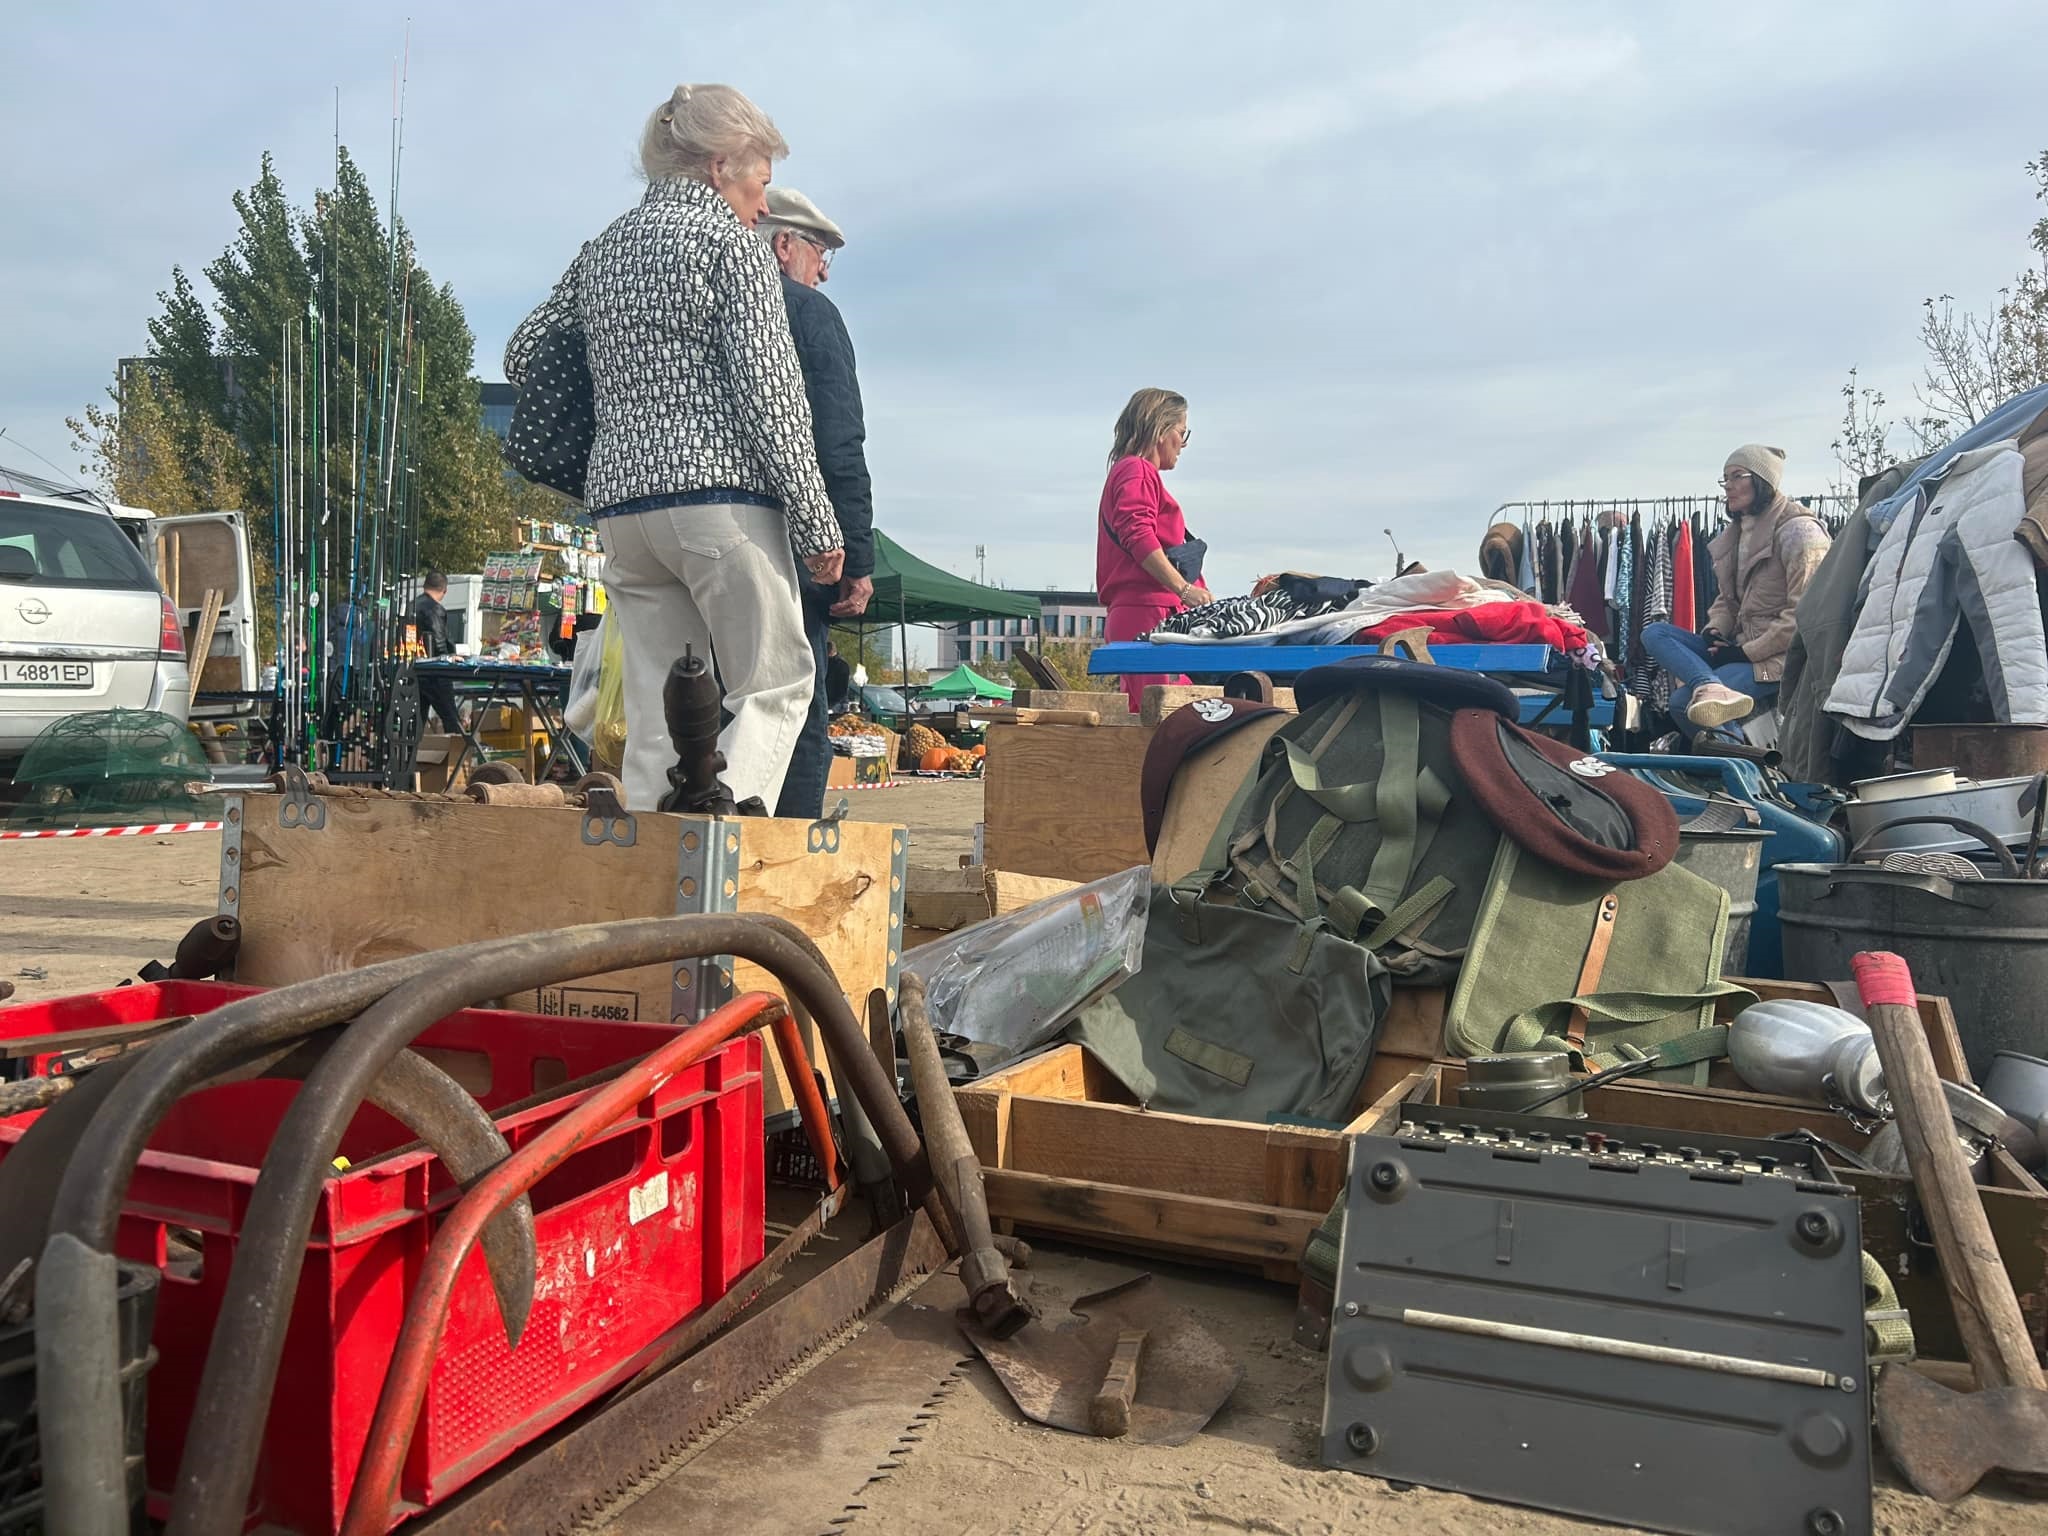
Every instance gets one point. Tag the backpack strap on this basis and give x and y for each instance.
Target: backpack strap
(1547, 1027)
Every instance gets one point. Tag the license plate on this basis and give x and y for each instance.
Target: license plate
(45, 674)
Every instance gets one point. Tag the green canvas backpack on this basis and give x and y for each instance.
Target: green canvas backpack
(1354, 819)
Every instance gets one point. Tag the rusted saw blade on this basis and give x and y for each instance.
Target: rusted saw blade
(579, 1473)
(853, 1419)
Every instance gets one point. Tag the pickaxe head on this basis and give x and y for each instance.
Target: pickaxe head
(1944, 1442)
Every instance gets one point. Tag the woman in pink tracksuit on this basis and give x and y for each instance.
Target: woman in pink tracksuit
(1138, 523)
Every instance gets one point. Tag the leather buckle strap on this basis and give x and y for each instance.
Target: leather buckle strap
(1590, 969)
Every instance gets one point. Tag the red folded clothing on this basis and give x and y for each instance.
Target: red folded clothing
(1488, 624)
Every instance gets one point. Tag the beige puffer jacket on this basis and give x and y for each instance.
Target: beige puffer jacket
(1761, 565)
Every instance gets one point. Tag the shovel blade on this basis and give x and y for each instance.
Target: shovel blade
(1944, 1442)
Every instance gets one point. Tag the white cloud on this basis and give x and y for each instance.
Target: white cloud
(1482, 64)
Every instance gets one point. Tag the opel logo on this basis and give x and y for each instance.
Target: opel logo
(33, 609)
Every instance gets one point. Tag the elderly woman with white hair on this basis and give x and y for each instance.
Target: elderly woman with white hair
(702, 475)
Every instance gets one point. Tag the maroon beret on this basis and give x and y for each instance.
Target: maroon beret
(1563, 805)
(1180, 735)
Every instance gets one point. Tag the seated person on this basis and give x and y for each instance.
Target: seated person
(1762, 562)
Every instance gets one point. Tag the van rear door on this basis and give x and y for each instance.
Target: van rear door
(209, 552)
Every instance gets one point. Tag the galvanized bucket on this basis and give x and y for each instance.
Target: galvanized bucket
(1732, 860)
(1983, 944)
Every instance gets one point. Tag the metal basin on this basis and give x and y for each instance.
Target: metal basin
(1983, 944)
(1993, 804)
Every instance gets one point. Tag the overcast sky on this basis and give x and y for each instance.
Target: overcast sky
(1407, 262)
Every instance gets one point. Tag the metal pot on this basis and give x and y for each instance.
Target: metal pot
(2018, 1084)
(1879, 827)
(1519, 1079)
(1906, 786)
(1983, 944)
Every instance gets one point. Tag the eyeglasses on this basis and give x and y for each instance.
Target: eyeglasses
(1729, 482)
(1187, 435)
(824, 251)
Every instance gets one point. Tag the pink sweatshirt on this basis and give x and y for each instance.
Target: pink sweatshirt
(1144, 517)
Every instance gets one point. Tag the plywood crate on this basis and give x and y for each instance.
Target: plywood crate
(385, 877)
(1064, 1149)
(1067, 1151)
(1063, 800)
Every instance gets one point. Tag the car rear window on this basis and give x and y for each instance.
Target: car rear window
(67, 547)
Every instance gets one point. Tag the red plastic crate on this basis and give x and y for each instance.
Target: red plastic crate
(635, 1233)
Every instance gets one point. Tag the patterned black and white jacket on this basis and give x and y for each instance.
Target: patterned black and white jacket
(695, 376)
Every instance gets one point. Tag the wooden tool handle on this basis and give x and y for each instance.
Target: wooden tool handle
(1987, 1312)
(1009, 716)
(1109, 1415)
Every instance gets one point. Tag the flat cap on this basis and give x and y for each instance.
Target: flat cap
(789, 207)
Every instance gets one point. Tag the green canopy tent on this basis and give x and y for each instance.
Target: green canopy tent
(963, 682)
(908, 591)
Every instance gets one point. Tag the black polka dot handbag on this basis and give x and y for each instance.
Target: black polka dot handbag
(554, 421)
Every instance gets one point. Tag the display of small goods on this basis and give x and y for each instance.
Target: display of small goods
(520, 639)
(574, 545)
(512, 582)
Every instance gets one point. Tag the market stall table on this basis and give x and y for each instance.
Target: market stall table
(539, 691)
(1523, 667)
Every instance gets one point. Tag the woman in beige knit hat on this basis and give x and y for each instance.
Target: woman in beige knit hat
(1762, 563)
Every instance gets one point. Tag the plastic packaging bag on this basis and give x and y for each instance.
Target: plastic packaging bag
(608, 729)
(1015, 981)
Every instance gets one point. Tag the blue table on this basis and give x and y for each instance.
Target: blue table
(1509, 663)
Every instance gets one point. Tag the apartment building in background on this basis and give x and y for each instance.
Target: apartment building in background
(1063, 615)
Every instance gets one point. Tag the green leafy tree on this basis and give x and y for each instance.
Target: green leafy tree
(373, 319)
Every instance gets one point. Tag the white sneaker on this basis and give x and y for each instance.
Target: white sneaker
(1716, 704)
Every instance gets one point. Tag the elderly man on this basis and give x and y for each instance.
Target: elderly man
(1762, 563)
(803, 241)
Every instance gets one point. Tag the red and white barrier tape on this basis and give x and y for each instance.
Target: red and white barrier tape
(148, 831)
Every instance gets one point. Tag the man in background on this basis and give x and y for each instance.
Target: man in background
(804, 242)
(430, 628)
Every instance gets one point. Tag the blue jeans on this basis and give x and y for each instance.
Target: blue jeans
(810, 764)
(1684, 655)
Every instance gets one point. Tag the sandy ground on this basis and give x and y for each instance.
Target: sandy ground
(971, 1465)
(86, 913)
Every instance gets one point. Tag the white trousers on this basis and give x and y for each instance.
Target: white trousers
(720, 581)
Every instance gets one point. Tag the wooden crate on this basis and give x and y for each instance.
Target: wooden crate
(943, 901)
(1162, 699)
(1108, 705)
(1067, 1151)
(1062, 800)
(389, 877)
(1063, 1149)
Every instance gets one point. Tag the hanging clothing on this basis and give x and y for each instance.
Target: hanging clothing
(1683, 612)
(1500, 554)
(1525, 574)
(1621, 587)
(1656, 609)
(1586, 595)
(1705, 585)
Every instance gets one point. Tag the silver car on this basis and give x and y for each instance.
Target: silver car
(84, 625)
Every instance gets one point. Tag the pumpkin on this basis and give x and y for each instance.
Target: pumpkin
(938, 760)
(980, 751)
